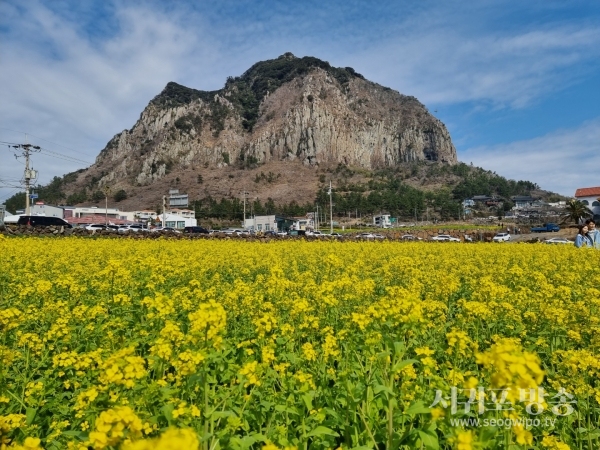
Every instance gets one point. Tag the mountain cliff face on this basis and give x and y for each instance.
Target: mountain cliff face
(286, 109)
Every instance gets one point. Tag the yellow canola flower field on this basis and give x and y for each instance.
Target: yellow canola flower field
(309, 345)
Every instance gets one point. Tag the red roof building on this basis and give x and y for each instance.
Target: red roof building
(588, 192)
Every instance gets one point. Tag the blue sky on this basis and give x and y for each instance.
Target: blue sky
(516, 83)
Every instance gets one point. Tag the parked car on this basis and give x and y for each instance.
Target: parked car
(232, 231)
(501, 237)
(43, 221)
(558, 240)
(98, 227)
(131, 228)
(336, 234)
(168, 230)
(200, 230)
(545, 228)
(365, 236)
(378, 236)
(410, 237)
(445, 238)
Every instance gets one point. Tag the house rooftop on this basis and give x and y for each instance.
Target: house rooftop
(588, 192)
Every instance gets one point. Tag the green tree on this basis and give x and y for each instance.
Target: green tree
(97, 196)
(16, 202)
(78, 197)
(120, 195)
(576, 211)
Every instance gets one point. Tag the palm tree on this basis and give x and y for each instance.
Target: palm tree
(577, 210)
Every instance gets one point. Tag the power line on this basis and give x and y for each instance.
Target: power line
(47, 152)
(10, 194)
(37, 137)
(65, 157)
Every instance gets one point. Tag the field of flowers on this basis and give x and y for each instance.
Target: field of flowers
(235, 345)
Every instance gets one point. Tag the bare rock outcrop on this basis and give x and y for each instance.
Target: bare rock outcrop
(287, 109)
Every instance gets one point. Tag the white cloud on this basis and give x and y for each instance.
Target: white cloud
(63, 88)
(561, 161)
(452, 65)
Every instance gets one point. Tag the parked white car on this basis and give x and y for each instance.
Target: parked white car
(365, 236)
(131, 228)
(501, 237)
(558, 240)
(98, 227)
(445, 238)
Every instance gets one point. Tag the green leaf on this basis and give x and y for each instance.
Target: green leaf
(74, 433)
(30, 415)
(399, 348)
(308, 398)
(382, 388)
(383, 355)
(222, 414)
(430, 440)
(320, 431)
(284, 408)
(402, 364)
(167, 411)
(417, 408)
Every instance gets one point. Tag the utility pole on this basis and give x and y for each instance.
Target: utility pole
(330, 209)
(27, 178)
(317, 219)
(244, 193)
(106, 190)
(164, 209)
(29, 174)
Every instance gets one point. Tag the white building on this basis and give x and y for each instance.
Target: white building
(187, 213)
(382, 221)
(145, 214)
(304, 224)
(261, 223)
(177, 199)
(111, 213)
(176, 221)
(41, 209)
(589, 197)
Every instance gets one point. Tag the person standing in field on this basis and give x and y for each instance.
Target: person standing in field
(594, 233)
(583, 238)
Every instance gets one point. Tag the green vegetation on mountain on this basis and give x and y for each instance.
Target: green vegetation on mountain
(389, 191)
(248, 90)
(356, 192)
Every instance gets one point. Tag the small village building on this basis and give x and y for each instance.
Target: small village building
(177, 221)
(272, 222)
(382, 221)
(41, 209)
(589, 197)
(112, 213)
(523, 201)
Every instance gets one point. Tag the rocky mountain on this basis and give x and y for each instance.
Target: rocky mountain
(292, 110)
